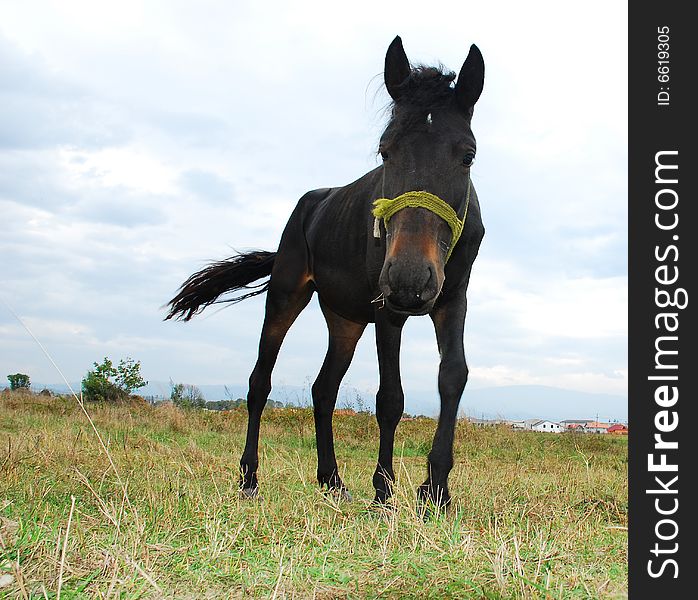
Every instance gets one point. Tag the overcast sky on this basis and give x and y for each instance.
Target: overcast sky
(140, 139)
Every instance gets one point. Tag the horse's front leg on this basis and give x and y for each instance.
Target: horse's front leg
(449, 321)
(343, 337)
(390, 400)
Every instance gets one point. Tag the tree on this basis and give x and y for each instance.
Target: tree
(226, 404)
(186, 395)
(19, 381)
(109, 383)
(128, 375)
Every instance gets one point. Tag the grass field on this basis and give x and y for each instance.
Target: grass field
(534, 515)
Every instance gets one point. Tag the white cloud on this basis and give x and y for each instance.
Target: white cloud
(56, 329)
(129, 167)
(580, 380)
(549, 305)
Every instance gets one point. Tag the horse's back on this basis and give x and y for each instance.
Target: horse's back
(329, 227)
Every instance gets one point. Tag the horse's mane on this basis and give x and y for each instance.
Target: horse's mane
(425, 90)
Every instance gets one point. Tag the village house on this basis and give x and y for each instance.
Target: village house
(547, 427)
(575, 424)
(597, 427)
(487, 422)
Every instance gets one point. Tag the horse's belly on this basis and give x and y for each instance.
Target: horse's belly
(345, 294)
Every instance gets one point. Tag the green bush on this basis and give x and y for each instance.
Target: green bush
(186, 395)
(19, 381)
(109, 383)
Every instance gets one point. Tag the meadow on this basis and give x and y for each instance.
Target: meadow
(156, 512)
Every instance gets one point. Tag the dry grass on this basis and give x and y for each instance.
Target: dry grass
(535, 515)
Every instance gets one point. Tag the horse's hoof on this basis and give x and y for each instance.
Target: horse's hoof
(432, 502)
(249, 493)
(340, 494)
(345, 495)
(382, 498)
(384, 508)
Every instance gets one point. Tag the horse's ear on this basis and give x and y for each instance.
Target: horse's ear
(470, 79)
(397, 67)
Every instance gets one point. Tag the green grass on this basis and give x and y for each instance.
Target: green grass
(534, 515)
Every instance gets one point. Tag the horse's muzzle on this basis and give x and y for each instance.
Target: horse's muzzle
(415, 311)
(409, 289)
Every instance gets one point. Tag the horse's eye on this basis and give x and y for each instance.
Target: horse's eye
(384, 154)
(468, 159)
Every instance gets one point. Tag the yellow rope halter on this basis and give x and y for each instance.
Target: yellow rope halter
(384, 208)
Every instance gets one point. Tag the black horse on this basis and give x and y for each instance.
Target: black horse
(367, 270)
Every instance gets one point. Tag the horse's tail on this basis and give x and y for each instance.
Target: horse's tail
(205, 287)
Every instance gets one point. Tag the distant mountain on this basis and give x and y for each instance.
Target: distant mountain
(510, 402)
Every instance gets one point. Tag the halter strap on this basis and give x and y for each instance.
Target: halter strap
(385, 208)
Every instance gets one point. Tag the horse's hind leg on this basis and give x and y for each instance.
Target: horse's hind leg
(290, 290)
(343, 337)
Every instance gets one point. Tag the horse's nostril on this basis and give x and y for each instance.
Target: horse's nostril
(409, 286)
